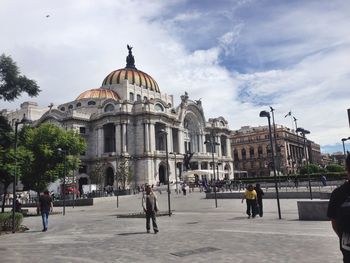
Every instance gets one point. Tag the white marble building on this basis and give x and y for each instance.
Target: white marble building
(123, 119)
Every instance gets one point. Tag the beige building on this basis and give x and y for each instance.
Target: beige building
(251, 150)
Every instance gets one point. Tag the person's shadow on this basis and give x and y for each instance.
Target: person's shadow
(132, 233)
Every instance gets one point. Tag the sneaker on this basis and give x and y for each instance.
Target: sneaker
(44, 230)
(156, 231)
(248, 217)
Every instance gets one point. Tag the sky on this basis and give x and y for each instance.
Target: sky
(238, 56)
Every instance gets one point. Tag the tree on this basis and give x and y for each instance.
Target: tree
(97, 173)
(124, 173)
(313, 168)
(335, 168)
(11, 83)
(48, 163)
(7, 157)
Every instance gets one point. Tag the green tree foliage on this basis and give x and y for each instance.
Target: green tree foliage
(11, 83)
(7, 157)
(97, 173)
(313, 168)
(335, 168)
(48, 162)
(124, 174)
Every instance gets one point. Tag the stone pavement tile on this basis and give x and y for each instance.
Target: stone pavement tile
(197, 231)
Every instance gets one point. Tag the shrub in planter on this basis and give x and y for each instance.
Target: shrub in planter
(6, 221)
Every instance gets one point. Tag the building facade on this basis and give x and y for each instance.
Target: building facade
(251, 150)
(129, 121)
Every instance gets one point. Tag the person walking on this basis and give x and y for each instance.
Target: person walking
(259, 193)
(250, 197)
(339, 213)
(150, 207)
(45, 206)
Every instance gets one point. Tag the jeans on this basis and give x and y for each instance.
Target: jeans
(45, 217)
(152, 215)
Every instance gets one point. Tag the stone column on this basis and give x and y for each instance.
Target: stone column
(152, 137)
(124, 134)
(118, 137)
(100, 141)
(146, 137)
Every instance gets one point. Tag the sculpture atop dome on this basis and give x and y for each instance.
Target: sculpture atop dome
(130, 60)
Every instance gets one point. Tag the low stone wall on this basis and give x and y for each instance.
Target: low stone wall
(313, 210)
(77, 202)
(268, 195)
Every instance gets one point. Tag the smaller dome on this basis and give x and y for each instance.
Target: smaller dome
(98, 94)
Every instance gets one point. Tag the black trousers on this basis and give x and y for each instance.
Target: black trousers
(251, 207)
(149, 216)
(260, 207)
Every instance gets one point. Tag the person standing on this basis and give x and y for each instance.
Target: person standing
(339, 213)
(45, 206)
(150, 207)
(259, 193)
(250, 197)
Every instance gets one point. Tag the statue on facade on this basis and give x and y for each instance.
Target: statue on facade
(130, 61)
(184, 98)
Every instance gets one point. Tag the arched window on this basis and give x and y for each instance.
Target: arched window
(144, 98)
(131, 96)
(260, 152)
(158, 107)
(244, 154)
(251, 153)
(138, 97)
(70, 107)
(78, 104)
(62, 108)
(235, 155)
(109, 108)
(91, 102)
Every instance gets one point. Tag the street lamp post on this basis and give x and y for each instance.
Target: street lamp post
(267, 115)
(164, 133)
(64, 151)
(23, 121)
(303, 133)
(343, 140)
(212, 143)
(175, 171)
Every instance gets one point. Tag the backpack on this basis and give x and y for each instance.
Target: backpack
(343, 221)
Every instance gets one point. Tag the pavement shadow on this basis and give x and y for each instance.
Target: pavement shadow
(132, 233)
(239, 218)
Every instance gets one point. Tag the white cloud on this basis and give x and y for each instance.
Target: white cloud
(296, 56)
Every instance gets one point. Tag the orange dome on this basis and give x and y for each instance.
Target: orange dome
(134, 76)
(99, 94)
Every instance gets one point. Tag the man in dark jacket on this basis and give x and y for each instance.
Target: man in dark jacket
(45, 206)
(150, 207)
(259, 193)
(339, 212)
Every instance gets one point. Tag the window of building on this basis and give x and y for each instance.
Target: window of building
(138, 97)
(131, 96)
(70, 107)
(109, 137)
(109, 108)
(260, 152)
(251, 152)
(244, 154)
(91, 102)
(82, 130)
(145, 98)
(62, 108)
(158, 107)
(78, 104)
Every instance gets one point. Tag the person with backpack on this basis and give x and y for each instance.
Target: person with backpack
(339, 213)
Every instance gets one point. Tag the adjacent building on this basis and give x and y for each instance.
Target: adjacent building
(251, 149)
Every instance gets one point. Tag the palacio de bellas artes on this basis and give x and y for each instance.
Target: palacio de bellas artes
(130, 125)
(128, 120)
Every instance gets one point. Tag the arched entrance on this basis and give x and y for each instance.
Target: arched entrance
(109, 176)
(162, 174)
(82, 181)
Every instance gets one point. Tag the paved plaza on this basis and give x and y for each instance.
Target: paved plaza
(196, 232)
